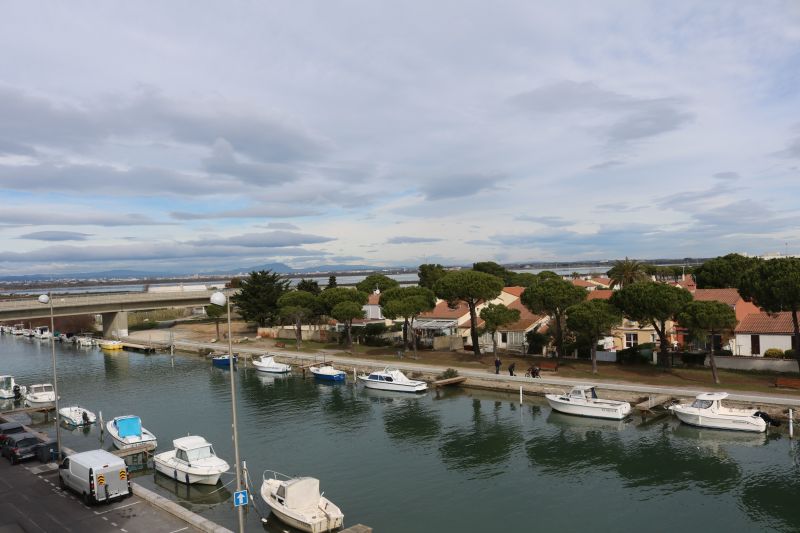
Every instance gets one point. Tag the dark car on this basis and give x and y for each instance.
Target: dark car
(20, 446)
(9, 428)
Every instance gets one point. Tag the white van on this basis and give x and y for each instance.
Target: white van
(97, 475)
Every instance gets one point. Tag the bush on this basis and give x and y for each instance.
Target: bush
(790, 353)
(447, 374)
(632, 356)
(693, 359)
(774, 353)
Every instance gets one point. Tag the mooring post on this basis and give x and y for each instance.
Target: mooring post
(791, 425)
(354, 375)
(520, 394)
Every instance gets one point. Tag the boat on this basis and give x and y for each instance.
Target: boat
(27, 332)
(42, 332)
(707, 411)
(298, 503)
(7, 385)
(392, 380)
(327, 372)
(223, 361)
(193, 461)
(41, 393)
(77, 416)
(582, 400)
(84, 341)
(16, 329)
(108, 344)
(266, 363)
(127, 432)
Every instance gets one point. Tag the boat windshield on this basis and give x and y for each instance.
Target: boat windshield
(200, 453)
(5, 382)
(702, 404)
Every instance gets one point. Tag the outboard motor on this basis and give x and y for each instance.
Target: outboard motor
(85, 417)
(17, 392)
(768, 419)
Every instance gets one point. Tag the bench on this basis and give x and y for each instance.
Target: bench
(787, 383)
(548, 365)
(280, 345)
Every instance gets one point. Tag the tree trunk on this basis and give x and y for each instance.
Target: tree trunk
(796, 339)
(494, 343)
(712, 361)
(663, 355)
(473, 326)
(594, 356)
(559, 336)
(414, 339)
(349, 337)
(298, 333)
(216, 322)
(405, 335)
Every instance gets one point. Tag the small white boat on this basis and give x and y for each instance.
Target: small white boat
(17, 329)
(77, 416)
(85, 341)
(41, 393)
(582, 400)
(108, 344)
(326, 372)
(298, 503)
(42, 332)
(707, 411)
(392, 380)
(192, 461)
(266, 363)
(127, 432)
(27, 332)
(7, 387)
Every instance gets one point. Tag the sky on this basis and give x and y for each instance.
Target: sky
(195, 136)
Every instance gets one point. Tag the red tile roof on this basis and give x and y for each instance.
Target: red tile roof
(600, 294)
(526, 318)
(374, 299)
(442, 310)
(583, 283)
(726, 296)
(764, 323)
(514, 291)
(601, 281)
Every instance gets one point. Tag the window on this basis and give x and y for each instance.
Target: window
(387, 378)
(653, 338)
(180, 455)
(755, 345)
(631, 340)
(200, 453)
(702, 404)
(504, 337)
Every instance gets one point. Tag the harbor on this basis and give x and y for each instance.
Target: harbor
(461, 458)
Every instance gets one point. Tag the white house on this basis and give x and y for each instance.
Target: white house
(758, 332)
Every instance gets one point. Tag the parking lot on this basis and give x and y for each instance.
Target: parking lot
(31, 501)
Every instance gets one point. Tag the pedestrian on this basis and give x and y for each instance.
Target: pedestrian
(511, 369)
(496, 364)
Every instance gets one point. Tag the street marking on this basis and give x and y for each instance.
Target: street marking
(181, 529)
(104, 518)
(114, 524)
(116, 508)
(123, 530)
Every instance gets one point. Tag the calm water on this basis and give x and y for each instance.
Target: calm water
(459, 460)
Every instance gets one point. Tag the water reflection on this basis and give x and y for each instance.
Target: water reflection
(196, 497)
(485, 445)
(770, 498)
(583, 423)
(346, 410)
(409, 420)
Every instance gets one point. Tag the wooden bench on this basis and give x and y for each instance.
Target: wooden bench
(548, 365)
(787, 383)
(280, 345)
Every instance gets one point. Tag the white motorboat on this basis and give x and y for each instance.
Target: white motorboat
(326, 372)
(266, 363)
(582, 400)
(42, 332)
(192, 461)
(392, 380)
(27, 332)
(77, 416)
(17, 329)
(298, 502)
(127, 432)
(7, 384)
(85, 341)
(707, 411)
(41, 393)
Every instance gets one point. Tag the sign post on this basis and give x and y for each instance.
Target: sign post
(240, 498)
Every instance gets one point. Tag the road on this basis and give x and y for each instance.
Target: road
(32, 502)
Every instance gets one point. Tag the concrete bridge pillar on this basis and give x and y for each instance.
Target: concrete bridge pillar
(115, 324)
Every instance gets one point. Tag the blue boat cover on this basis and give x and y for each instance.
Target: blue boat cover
(129, 427)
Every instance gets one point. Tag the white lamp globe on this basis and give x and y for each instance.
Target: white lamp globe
(218, 299)
(44, 299)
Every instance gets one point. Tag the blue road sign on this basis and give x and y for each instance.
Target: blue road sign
(240, 498)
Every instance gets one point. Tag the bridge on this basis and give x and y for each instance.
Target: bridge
(113, 307)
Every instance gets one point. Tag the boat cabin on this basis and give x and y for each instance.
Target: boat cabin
(188, 449)
(6, 382)
(299, 493)
(709, 400)
(129, 426)
(583, 392)
(40, 389)
(388, 376)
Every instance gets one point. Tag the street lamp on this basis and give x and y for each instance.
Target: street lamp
(220, 299)
(46, 299)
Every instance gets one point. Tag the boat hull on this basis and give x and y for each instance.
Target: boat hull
(334, 521)
(718, 421)
(605, 409)
(329, 377)
(123, 444)
(74, 416)
(272, 369)
(183, 476)
(393, 387)
(223, 363)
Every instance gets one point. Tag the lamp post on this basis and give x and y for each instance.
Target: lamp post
(220, 299)
(47, 299)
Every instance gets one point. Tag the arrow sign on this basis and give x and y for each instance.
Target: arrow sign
(240, 498)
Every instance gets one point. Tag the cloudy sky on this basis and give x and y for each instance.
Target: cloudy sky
(201, 135)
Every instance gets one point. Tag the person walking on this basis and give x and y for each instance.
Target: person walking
(496, 364)
(511, 368)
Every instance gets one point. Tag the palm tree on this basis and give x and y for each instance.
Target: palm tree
(626, 272)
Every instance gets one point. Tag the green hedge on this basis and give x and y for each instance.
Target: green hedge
(774, 353)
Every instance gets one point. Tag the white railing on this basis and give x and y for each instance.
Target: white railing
(100, 299)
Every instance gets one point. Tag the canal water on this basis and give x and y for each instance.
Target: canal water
(457, 460)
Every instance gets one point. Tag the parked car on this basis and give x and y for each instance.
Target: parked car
(9, 428)
(97, 475)
(20, 446)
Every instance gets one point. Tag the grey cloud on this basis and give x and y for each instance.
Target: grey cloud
(690, 201)
(256, 211)
(606, 164)
(459, 185)
(12, 148)
(620, 207)
(402, 239)
(272, 239)
(76, 215)
(727, 176)
(56, 236)
(629, 118)
(791, 151)
(224, 161)
(546, 220)
(280, 225)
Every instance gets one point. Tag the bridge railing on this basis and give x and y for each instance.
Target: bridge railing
(99, 299)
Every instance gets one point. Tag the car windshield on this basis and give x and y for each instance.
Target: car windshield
(24, 443)
(200, 453)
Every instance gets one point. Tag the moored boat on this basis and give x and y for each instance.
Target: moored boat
(267, 363)
(7, 384)
(39, 394)
(192, 461)
(42, 332)
(17, 329)
(77, 416)
(224, 361)
(392, 380)
(707, 411)
(108, 344)
(127, 432)
(326, 372)
(582, 400)
(298, 503)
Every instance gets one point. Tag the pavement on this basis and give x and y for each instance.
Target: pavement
(32, 502)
